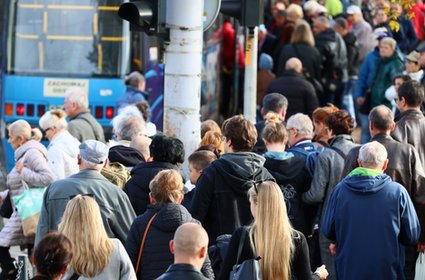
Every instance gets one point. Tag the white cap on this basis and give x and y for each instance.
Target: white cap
(351, 10)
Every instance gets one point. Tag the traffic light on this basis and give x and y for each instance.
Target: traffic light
(145, 15)
(248, 12)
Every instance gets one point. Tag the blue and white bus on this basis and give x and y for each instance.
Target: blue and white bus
(50, 45)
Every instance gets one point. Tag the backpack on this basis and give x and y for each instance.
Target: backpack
(217, 252)
(310, 156)
(116, 173)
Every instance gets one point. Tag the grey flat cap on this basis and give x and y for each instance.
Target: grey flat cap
(94, 151)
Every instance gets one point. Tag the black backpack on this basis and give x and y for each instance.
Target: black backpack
(217, 252)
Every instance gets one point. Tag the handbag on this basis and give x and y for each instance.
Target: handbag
(6, 208)
(28, 204)
(420, 267)
(248, 269)
(139, 257)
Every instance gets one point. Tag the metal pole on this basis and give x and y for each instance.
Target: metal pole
(182, 80)
(250, 84)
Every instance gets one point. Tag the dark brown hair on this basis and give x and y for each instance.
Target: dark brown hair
(241, 132)
(201, 159)
(52, 254)
(340, 122)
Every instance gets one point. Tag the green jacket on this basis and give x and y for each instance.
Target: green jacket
(386, 70)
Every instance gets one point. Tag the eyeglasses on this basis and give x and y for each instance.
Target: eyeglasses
(47, 129)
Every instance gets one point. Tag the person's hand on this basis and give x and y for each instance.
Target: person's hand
(421, 247)
(18, 166)
(322, 272)
(360, 100)
(332, 249)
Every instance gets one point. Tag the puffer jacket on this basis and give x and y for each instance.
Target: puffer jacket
(156, 255)
(35, 173)
(62, 153)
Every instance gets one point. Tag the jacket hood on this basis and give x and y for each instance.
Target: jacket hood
(143, 167)
(366, 184)
(67, 143)
(125, 155)
(327, 35)
(170, 216)
(287, 169)
(239, 170)
(350, 38)
(31, 144)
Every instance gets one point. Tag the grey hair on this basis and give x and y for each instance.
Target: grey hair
(130, 127)
(53, 119)
(389, 41)
(88, 164)
(78, 96)
(372, 154)
(302, 123)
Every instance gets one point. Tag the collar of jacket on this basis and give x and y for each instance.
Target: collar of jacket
(409, 113)
(339, 138)
(90, 174)
(79, 114)
(362, 171)
(381, 136)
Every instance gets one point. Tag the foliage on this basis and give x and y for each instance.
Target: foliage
(393, 15)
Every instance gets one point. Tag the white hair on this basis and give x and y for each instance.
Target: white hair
(372, 154)
(129, 123)
(55, 118)
(78, 96)
(302, 123)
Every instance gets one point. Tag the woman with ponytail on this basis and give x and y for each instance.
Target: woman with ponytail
(283, 250)
(291, 173)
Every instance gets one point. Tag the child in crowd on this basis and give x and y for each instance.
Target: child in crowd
(198, 161)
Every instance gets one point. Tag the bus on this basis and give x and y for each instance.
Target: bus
(48, 46)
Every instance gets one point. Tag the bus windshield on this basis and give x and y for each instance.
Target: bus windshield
(67, 38)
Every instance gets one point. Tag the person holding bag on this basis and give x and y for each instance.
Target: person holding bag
(31, 170)
(283, 251)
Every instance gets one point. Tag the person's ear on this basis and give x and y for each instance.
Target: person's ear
(106, 163)
(180, 199)
(384, 167)
(203, 252)
(78, 159)
(151, 199)
(265, 142)
(392, 126)
(172, 246)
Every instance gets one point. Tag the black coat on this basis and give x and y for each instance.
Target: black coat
(300, 263)
(137, 188)
(220, 201)
(300, 93)
(182, 272)
(352, 47)
(309, 56)
(156, 255)
(127, 156)
(292, 174)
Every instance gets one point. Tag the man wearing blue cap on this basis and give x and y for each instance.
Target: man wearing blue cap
(115, 207)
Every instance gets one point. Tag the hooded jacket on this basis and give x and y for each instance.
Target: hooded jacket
(292, 174)
(220, 201)
(62, 154)
(369, 217)
(127, 156)
(137, 188)
(156, 255)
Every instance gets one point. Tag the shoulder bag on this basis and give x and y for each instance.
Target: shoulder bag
(139, 257)
(248, 269)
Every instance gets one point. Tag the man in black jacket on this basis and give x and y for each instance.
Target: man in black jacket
(334, 59)
(190, 247)
(220, 201)
(299, 92)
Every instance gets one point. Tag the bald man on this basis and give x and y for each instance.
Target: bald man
(189, 247)
(292, 84)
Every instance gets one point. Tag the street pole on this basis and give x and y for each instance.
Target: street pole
(182, 75)
(250, 84)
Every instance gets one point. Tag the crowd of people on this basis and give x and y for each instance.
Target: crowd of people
(293, 191)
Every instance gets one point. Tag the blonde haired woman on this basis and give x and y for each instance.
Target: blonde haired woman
(31, 167)
(283, 250)
(63, 147)
(95, 256)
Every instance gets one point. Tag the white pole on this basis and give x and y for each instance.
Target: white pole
(183, 61)
(250, 84)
